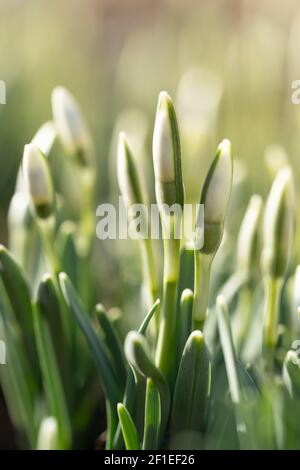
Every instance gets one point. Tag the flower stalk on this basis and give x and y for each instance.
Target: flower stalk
(278, 235)
(215, 197)
(170, 198)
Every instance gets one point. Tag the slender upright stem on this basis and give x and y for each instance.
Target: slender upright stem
(47, 230)
(87, 220)
(273, 292)
(150, 274)
(168, 330)
(201, 288)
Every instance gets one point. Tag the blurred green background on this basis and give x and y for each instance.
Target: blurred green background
(229, 64)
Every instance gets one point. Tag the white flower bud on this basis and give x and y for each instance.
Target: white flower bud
(45, 137)
(217, 187)
(38, 180)
(71, 126)
(48, 434)
(248, 236)
(279, 224)
(167, 153)
(215, 197)
(128, 177)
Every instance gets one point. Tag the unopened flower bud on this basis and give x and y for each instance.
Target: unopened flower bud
(167, 154)
(38, 180)
(215, 197)
(279, 225)
(71, 127)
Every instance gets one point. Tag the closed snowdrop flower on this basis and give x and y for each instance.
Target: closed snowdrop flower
(38, 180)
(71, 126)
(279, 224)
(48, 433)
(167, 154)
(128, 177)
(247, 245)
(215, 196)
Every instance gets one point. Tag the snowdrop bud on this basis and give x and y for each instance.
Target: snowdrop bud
(248, 236)
(48, 434)
(167, 154)
(71, 126)
(279, 225)
(128, 177)
(38, 180)
(45, 137)
(215, 197)
(296, 291)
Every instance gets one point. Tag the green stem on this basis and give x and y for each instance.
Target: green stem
(244, 309)
(47, 230)
(273, 292)
(87, 219)
(150, 277)
(201, 288)
(168, 330)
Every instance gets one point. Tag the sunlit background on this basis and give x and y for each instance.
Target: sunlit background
(228, 64)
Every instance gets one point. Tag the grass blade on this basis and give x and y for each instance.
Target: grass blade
(51, 377)
(152, 417)
(192, 386)
(110, 382)
(113, 344)
(129, 431)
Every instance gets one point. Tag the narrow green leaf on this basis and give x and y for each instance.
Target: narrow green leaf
(152, 417)
(14, 375)
(65, 243)
(110, 382)
(129, 431)
(185, 317)
(143, 328)
(139, 356)
(19, 297)
(51, 377)
(113, 344)
(49, 303)
(192, 386)
(229, 354)
(133, 387)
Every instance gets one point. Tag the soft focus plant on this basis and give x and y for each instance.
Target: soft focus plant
(206, 368)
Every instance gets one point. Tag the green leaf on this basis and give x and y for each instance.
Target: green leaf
(65, 242)
(192, 386)
(49, 303)
(185, 317)
(139, 356)
(112, 342)
(51, 377)
(143, 328)
(232, 373)
(110, 382)
(129, 431)
(16, 380)
(133, 386)
(152, 417)
(19, 297)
